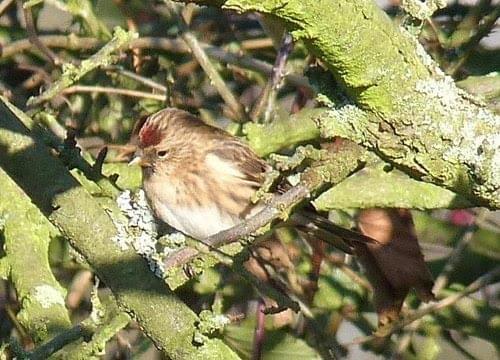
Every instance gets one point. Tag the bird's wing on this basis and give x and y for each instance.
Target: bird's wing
(243, 161)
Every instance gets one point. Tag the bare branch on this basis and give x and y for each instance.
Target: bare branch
(202, 58)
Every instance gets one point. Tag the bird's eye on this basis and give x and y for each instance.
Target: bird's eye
(162, 153)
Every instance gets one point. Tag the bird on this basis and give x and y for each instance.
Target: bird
(199, 179)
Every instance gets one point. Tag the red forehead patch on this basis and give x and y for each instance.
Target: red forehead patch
(149, 135)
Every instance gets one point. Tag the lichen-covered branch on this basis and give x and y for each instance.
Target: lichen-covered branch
(90, 229)
(376, 187)
(412, 114)
(27, 235)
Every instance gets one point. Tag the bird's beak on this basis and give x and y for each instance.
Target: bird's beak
(140, 160)
(136, 160)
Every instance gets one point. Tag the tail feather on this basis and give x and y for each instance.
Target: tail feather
(329, 232)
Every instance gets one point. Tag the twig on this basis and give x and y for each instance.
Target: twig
(4, 5)
(33, 37)
(479, 283)
(483, 29)
(202, 58)
(140, 79)
(268, 96)
(260, 332)
(172, 45)
(72, 74)
(62, 339)
(442, 279)
(256, 44)
(111, 90)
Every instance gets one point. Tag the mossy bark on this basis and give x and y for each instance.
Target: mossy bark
(90, 229)
(27, 234)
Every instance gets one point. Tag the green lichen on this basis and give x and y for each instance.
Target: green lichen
(210, 323)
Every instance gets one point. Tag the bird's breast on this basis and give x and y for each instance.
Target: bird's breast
(191, 208)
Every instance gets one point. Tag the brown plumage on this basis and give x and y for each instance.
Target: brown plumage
(200, 179)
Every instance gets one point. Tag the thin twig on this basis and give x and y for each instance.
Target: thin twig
(478, 284)
(4, 5)
(260, 332)
(111, 90)
(484, 27)
(265, 104)
(442, 280)
(256, 44)
(140, 79)
(205, 63)
(62, 339)
(33, 37)
(72, 42)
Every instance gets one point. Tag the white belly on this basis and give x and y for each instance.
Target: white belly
(199, 223)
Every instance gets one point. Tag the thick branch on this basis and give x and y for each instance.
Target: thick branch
(376, 187)
(90, 229)
(27, 236)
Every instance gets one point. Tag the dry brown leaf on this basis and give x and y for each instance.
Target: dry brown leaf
(395, 264)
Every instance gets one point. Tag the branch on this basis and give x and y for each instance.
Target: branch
(451, 300)
(90, 229)
(478, 284)
(72, 42)
(387, 189)
(202, 58)
(27, 235)
(72, 74)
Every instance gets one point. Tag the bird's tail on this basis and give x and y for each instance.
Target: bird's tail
(316, 225)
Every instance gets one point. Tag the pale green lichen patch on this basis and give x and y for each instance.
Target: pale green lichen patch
(140, 230)
(48, 296)
(472, 133)
(422, 10)
(210, 323)
(345, 122)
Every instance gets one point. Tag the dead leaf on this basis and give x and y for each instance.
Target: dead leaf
(395, 264)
